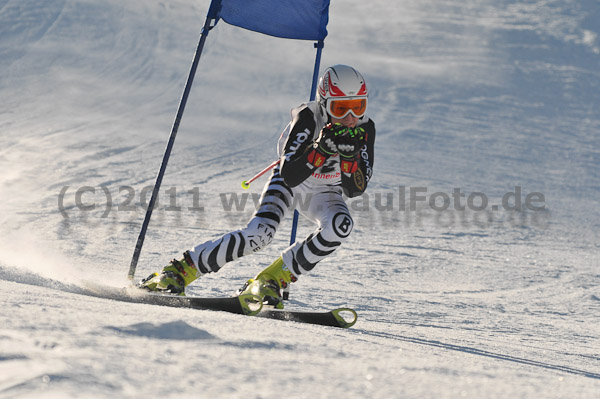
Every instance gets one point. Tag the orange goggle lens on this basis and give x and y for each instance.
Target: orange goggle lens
(341, 108)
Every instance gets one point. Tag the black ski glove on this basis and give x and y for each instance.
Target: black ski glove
(325, 145)
(350, 143)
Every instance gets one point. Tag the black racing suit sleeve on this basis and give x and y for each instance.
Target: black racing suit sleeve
(295, 167)
(356, 183)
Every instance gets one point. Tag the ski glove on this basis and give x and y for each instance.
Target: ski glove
(325, 145)
(348, 145)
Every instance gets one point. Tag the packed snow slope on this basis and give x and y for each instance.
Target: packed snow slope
(462, 291)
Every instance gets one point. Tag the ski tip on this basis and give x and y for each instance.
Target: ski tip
(251, 304)
(346, 317)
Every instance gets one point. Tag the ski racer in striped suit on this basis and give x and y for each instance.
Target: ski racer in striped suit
(326, 151)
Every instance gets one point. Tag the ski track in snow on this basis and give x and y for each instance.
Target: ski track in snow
(485, 96)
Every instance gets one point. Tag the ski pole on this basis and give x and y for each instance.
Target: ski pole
(246, 183)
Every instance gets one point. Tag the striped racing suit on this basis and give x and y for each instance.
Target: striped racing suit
(296, 183)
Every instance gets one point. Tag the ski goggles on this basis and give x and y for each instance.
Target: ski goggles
(339, 108)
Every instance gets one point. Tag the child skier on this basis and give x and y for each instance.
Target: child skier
(328, 152)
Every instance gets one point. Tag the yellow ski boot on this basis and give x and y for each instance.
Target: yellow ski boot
(269, 283)
(173, 278)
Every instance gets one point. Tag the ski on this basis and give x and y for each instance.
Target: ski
(342, 317)
(245, 304)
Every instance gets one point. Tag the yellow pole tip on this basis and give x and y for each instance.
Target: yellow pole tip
(245, 185)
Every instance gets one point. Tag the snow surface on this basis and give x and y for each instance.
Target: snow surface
(481, 95)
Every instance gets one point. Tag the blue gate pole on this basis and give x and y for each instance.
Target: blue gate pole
(212, 15)
(313, 92)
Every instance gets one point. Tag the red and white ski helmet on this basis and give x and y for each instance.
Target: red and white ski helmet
(341, 83)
